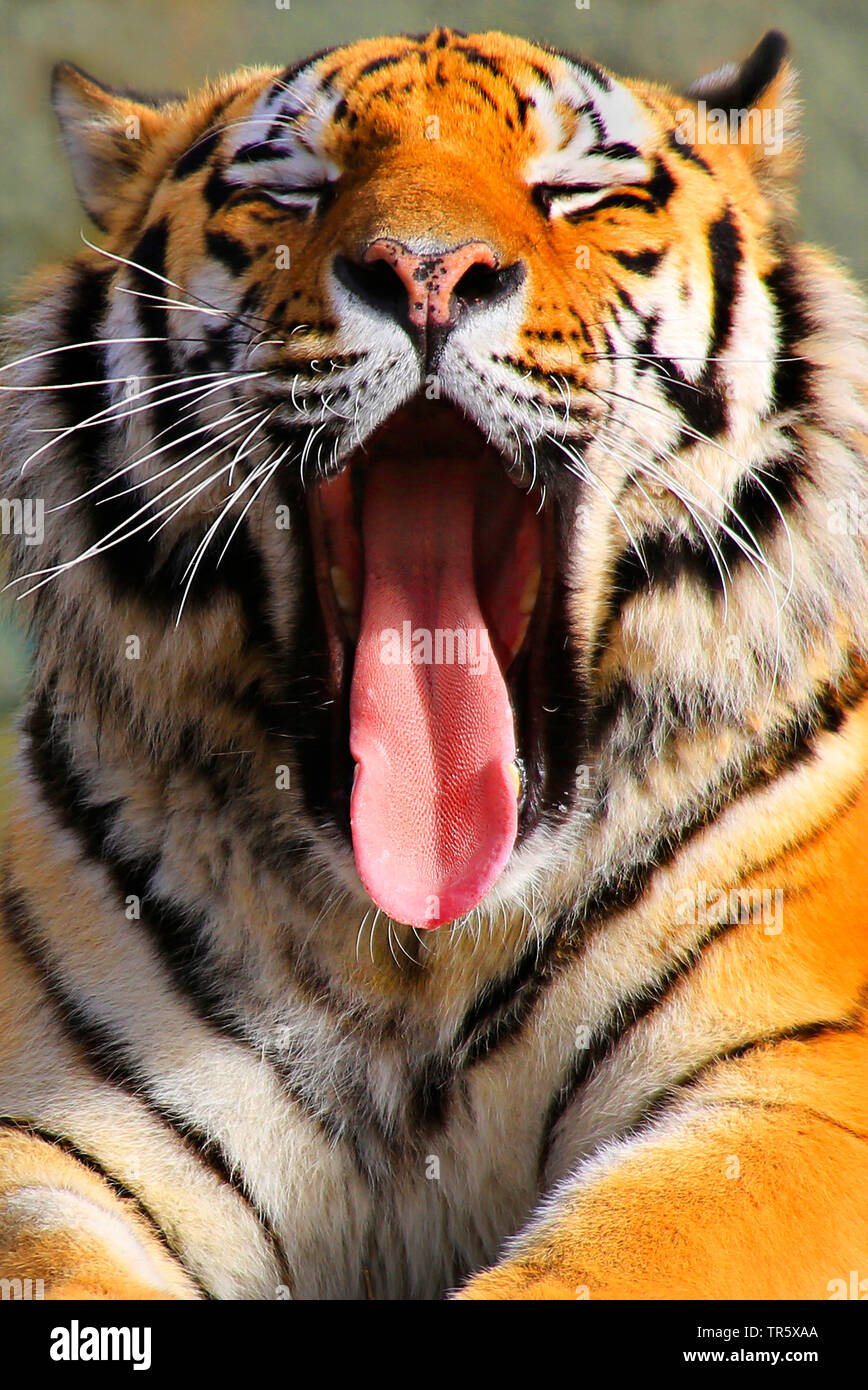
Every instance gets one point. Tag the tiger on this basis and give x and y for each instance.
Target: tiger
(436, 867)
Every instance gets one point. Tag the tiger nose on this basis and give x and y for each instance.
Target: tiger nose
(427, 291)
(430, 282)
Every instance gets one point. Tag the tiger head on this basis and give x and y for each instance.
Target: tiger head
(444, 388)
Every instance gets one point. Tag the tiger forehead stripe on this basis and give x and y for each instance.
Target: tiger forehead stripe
(584, 115)
(593, 128)
(594, 134)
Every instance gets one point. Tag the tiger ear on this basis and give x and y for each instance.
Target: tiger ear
(106, 133)
(759, 100)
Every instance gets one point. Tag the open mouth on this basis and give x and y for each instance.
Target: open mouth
(435, 584)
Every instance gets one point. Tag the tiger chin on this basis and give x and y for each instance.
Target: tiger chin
(437, 865)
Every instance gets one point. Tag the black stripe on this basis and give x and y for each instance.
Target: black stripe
(148, 278)
(523, 104)
(106, 1053)
(667, 1096)
(180, 937)
(82, 322)
(664, 561)
(661, 185)
(262, 149)
(497, 1015)
(565, 190)
(136, 567)
(793, 372)
(760, 498)
(595, 120)
(619, 150)
(197, 155)
(120, 1189)
(791, 748)
(625, 1016)
(277, 130)
(229, 251)
(587, 68)
(277, 91)
(129, 567)
(687, 151)
(501, 1009)
(150, 253)
(679, 1090)
(760, 504)
(724, 244)
(781, 1106)
(701, 403)
(431, 1091)
(476, 58)
(391, 60)
(640, 262)
(217, 190)
(488, 99)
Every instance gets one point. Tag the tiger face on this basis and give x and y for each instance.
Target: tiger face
(460, 353)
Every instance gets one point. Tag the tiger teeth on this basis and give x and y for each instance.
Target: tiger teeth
(527, 602)
(346, 599)
(515, 777)
(344, 591)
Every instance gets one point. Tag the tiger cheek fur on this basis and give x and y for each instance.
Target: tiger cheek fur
(324, 976)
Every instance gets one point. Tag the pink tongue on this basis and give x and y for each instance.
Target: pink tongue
(434, 808)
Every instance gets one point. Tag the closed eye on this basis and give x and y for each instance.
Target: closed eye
(574, 200)
(312, 195)
(301, 198)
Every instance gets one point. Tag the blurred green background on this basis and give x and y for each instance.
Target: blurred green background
(172, 45)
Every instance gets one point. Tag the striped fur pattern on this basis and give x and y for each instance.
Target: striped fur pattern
(222, 1073)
